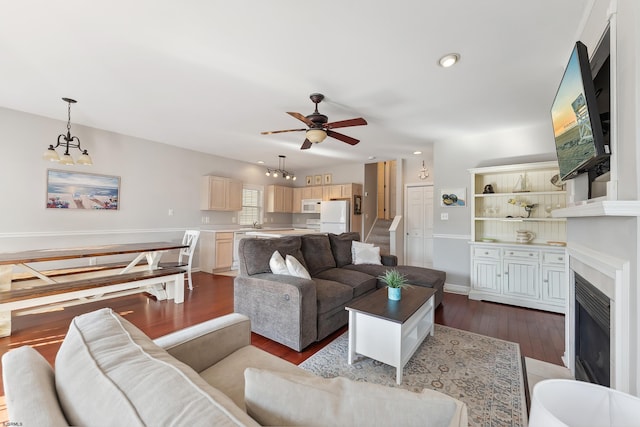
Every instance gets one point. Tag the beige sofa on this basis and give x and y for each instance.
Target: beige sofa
(107, 372)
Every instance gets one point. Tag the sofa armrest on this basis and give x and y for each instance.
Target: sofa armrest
(389, 260)
(205, 344)
(282, 308)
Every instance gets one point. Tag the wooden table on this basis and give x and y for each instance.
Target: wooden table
(55, 285)
(391, 331)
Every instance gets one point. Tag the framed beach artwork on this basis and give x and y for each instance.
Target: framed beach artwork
(79, 190)
(453, 197)
(327, 178)
(317, 179)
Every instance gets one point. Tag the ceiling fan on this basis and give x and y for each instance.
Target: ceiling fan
(318, 128)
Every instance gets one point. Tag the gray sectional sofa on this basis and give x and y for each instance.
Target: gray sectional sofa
(297, 312)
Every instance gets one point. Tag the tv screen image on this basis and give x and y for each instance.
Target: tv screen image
(576, 120)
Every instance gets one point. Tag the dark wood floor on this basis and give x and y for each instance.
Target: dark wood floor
(540, 334)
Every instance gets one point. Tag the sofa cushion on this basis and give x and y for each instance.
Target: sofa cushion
(330, 294)
(256, 253)
(228, 374)
(341, 247)
(360, 282)
(107, 369)
(316, 250)
(283, 399)
(30, 390)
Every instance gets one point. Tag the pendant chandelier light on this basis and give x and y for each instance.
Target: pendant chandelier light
(281, 172)
(67, 141)
(423, 172)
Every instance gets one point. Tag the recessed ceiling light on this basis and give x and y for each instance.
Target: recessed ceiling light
(417, 152)
(449, 60)
(372, 157)
(260, 162)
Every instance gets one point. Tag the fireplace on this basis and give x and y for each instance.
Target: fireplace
(592, 333)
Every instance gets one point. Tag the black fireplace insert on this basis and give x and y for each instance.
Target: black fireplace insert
(593, 334)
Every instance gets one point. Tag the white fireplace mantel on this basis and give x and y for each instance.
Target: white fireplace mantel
(600, 208)
(610, 275)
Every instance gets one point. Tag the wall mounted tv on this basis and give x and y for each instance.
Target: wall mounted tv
(577, 126)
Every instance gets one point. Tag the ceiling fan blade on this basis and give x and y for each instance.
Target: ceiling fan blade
(343, 138)
(346, 123)
(269, 132)
(306, 145)
(301, 118)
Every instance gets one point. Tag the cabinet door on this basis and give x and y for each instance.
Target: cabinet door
(346, 191)
(287, 199)
(306, 193)
(553, 286)
(234, 195)
(521, 278)
(297, 199)
(316, 192)
(224, 253)
(486, 275)
(217, 193)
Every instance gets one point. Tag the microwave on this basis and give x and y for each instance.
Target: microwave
(310, 206)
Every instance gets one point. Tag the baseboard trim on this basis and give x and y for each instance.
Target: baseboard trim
(456, 289)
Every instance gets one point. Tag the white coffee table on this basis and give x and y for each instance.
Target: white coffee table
(391, 331)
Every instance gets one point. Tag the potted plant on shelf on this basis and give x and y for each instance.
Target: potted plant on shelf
(395, 282)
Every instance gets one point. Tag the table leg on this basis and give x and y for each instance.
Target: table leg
(5, 323)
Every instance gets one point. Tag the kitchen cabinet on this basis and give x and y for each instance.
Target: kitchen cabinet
(220, 194)
(341, 191)
(224, 251)
(216, 251)
(279, 199)
(297, 200)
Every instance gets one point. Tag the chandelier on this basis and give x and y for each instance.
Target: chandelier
(67, 141)
(423, 172)
(281, 170)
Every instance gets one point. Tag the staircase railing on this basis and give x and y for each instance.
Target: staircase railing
(396, 238)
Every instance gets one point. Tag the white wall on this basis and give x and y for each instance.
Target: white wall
(154, 178)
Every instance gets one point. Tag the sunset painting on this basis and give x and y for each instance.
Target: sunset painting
(76, 190)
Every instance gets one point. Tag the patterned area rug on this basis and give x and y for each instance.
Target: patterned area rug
(483, 372)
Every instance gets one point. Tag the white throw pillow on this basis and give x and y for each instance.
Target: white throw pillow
(295, 268)
(358, 245)
(277, 264)
(365, 254)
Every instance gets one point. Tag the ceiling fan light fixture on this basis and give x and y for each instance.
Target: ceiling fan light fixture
(449, 60)
(316, 135)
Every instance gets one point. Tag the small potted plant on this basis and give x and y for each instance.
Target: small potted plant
(395, 282)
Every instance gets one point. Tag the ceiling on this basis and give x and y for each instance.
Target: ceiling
(211, 75)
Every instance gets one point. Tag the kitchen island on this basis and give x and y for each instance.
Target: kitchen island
(282, 233)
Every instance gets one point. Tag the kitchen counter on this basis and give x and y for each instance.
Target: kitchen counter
(282, 233)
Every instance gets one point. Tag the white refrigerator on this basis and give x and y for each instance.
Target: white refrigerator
(334, 216)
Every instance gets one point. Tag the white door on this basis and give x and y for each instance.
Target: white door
(419, 226)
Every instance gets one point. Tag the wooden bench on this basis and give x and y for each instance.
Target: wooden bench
(33, 296)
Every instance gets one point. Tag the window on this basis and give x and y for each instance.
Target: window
(251, 205)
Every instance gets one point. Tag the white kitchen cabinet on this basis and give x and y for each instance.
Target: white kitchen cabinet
(220, 194)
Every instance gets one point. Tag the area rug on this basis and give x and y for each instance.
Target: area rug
(484, 372)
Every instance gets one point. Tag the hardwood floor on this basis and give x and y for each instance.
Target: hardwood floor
(540, 334)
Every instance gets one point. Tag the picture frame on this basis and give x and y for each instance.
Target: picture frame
(309, 180)
(453, 197)
(357, 204)
(326, 178)
(82, 191)
(318, 179)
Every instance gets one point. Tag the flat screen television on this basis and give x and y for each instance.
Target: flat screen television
(577, 128)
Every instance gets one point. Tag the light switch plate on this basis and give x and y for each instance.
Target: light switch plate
(444, 216)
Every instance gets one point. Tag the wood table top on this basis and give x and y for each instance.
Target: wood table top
(85, 252)
(378, 304)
